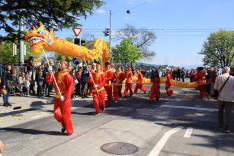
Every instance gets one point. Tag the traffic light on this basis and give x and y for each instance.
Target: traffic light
(106, 32)
(78, 41)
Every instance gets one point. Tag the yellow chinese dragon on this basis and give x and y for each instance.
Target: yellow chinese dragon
(40, 40)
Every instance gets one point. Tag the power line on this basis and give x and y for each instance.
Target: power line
(139, 4)
(161, 30)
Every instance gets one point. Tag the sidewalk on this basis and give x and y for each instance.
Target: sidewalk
(24, 103)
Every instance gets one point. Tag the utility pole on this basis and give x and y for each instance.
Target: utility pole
(21, 42)
(110, 38)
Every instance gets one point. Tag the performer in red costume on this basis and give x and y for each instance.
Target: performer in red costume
(128, 83)
(98, 80)
(62, 104)
(155, 92)
(139, 83)
(118, 79)
(92, 72)
(168, 83)
(199, 77)
(108, 85)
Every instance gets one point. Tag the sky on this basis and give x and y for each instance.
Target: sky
(181, 26)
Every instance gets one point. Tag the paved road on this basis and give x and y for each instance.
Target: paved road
(179, 125)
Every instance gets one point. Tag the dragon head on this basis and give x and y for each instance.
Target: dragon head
(38, 38)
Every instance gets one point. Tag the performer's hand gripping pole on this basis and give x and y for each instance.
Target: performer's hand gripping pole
(61, 97)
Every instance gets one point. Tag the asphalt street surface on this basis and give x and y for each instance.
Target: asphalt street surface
(182, 124)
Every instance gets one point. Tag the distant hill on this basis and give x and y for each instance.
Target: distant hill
(192, 66)
(188, 67)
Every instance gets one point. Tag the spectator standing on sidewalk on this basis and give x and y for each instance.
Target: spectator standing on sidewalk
(178, 74)
(8, 84)
(191, 75)
(26, 86)
(84, 82)
(21, 80)
(226, 97)
(48, 86)
(182, 74)
(30, 66)
(71, 72)
(40, 84)
(78, 86)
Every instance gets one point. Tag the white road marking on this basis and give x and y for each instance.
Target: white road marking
(156, 150)
(194, 108)
(41, 116)
(188, 132)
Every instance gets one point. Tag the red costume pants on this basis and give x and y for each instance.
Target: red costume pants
(62, 113)
(202, 92)
(128, 86)
(139, 86)
(99, 98)
(109, 93)
(117, 92)
(167, 87)
(154, 92)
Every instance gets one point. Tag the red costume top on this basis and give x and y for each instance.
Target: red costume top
(65, 83)
(140, 77)
(92, 71)
(129, 76)
(99, 79)
(120, 76)
(199, 77)
(109, 76)
(169, 79)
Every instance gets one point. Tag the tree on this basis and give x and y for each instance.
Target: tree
(161, 67)
(52, 13)
(219, 49)
(6, 53)
(141, 37)
(126, 52)
(89, 40)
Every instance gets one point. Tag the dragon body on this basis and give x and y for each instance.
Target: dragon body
(41, 40)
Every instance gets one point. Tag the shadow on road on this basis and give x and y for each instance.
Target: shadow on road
(30, 131)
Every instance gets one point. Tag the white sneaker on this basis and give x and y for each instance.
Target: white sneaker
(116, 101)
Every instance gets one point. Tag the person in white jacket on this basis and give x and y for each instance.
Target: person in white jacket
(225, 98)
(26, 87)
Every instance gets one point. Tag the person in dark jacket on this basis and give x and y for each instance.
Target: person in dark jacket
(84, 82)
(40, 84)
(178, 74)
(182, 74)
(8, 84)
(30, 66)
